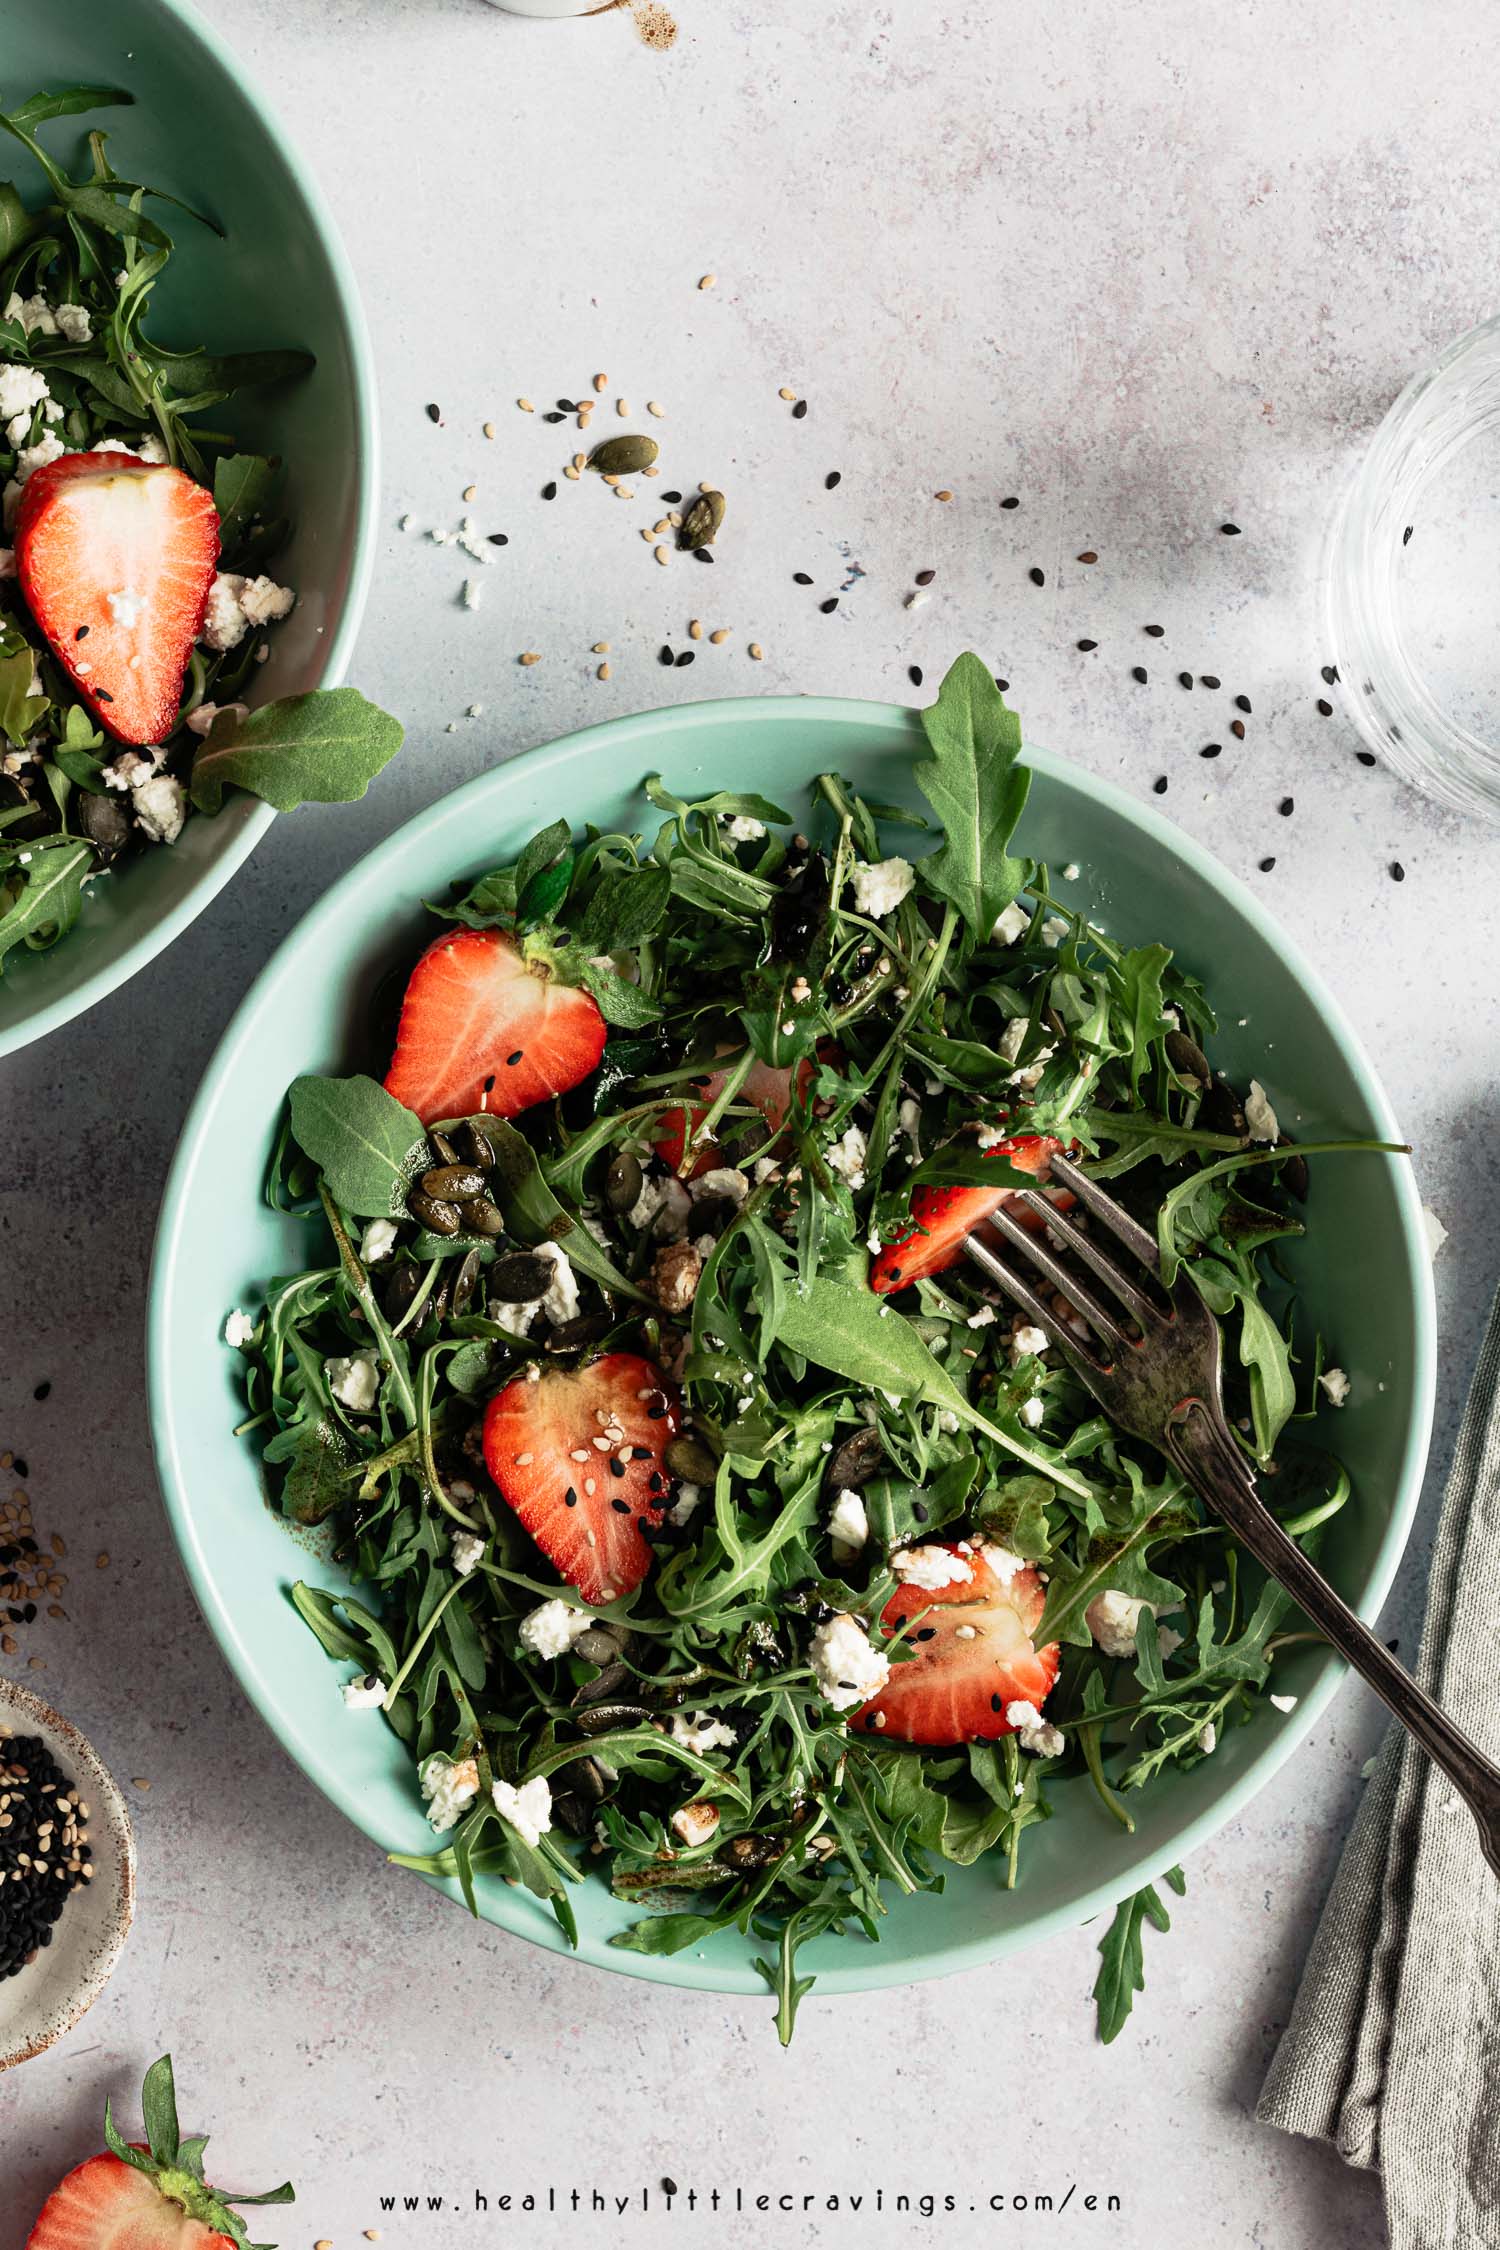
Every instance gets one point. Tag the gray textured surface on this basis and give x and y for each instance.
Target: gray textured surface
(1148, 269)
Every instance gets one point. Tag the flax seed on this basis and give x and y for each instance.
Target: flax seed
(945, 494)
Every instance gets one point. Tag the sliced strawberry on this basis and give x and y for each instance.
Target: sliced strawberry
(579, 1458)
(482, 1028)
(974, 1656)
(767, 1086)
(942, 1216)
(116, 557)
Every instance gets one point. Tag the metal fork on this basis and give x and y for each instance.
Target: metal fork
(1154, 1366)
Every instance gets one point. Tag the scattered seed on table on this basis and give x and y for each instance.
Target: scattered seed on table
(799, 411)
(695, 629)
(801, 578)
(1138, 673)
(1266, 865)
(489, 429)
(567, 406)
(755, 652)
(664, 655)
(663, 555)
(685, 656)
(573, 475)
(1287, 807)
(622, 408)
(914, 674)
(1002, 685)
(786, 392)
(1325, 708)
(603, 672)
(43, 1390)
(925, 577)
(1009, 502)
(1090, 555)
(1155, 632)
(827, 608)
(1398, 872)
(708, 281)
(1242, 703)
(654, 406)
(554, 416)
(1366, 757)
(1211, 750)
(1037, 577)
(526, 406)
(1330, 675)
(601, 382)
(1208, 679)
(470, 490)
(702, 554)
(529, 656)
(1185, 679)
(834, 478)
(720, 636)
(945, 494)
(434, 414)
(1230, 530)
(549, 491)
(1406, 535)
(1087, 647)
(101, 1562)
(1159, 785)
(498, 538)
(1237, 729)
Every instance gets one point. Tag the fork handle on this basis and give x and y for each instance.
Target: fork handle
(1213, 1465)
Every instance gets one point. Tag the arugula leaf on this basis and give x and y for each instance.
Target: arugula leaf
(243, 483)
(368, 1146)
(322, 748)
(21, 712)
(50, 900)
(977, 788)
(1122, 1967)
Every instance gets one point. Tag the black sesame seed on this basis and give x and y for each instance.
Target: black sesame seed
(1184, 679)
(1325, 708)
(994, 1703)
(568, 405)
(1287, 807)
(1138, 672)
(1329, 674)
(834, 477)
(668, 2187)
(1242, 703)
(1266, 865)
(914, 674)
(702, 554)
(925, 577)
(674, 497)
(1086, 646)
(925, 1633)
(655, 1413)
(664, 655)
(1037, 577)
(685, 656)
(1398, 872)
(1208, 679)
(1002, 685)
(434, 414)
(799, 411)
(1230, 530)
(1159, 785)
(498, 538)
(549, 491)
(554, 417)
(23, 1471)
(1237, 729)
(1366, 757)
(1211, 750)
(1406, 535)
(489, 1084)
(919, 1512)
(801, 578)
(1010, 501)
(1155, 632)
(827, 608)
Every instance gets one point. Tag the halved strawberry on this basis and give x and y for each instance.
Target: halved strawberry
(579, 1458)
(482, 1028)
(133, 2199)
(974, 1656)
(942, 1216)
(116, 557)
(768, 1086)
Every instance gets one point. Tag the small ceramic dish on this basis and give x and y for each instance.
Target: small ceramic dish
(48, 1996)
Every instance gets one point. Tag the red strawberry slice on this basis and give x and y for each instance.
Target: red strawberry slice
(942, 1216)
(116, 557)
(974, 1656)
(482, 1028)
(579, 1458)
(768, 1086)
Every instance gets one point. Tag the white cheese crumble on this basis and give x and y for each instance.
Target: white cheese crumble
(847, 1668)
(160, 807)
(930, 1568)
(1112, 1618)
(848, 1521)
(552, 1627)
(366, 1693)
(1033, 1732)
(1054, 930)
(238, 1329)
(235, 603)
(662, 1206)
(1208, 1738)
(1335, 1383)
(1031, 1413)
(1002, 1562)
(686, 1505)
(1011, 925)
(847, 1157)
(696, 1822)
(448, 1788)
(1260, 1117)
(744, 829)
(1285, 1702)
(467, 1550)
(1027, 1342)
(75, 322)
(702, 1732)
(984, 1318)
(721, 1181)
(34, 314)
(560, 1302)
(354, 1381)
(22, 390)
(881, 885)
(528, 1809)
(378, 1241)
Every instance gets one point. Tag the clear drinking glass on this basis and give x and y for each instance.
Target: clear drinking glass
(1413, 580)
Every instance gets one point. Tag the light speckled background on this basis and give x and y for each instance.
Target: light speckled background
(1147, 268)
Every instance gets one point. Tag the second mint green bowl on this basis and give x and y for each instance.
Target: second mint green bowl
(200, 128)
(1363, 1270)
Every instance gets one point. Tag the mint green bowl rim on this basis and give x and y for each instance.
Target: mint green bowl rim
(870, 1968)
(245, 821)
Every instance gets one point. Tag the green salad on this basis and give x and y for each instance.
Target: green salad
(131, 634)
(712, 1530)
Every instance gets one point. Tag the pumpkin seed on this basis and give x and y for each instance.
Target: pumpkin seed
(623, 456)
(442, 1148)
(690, 1459)
(703, 521)
(437, 1217)
(473, 1146)
(520, 1279)
(602, 1644)
(1186, 1056)
(623, 1182)
(748, 1852)
(404, 1282)
(465, 1281)
(452, 1183)
(852, 1464)
(573, 1335)
(481, 1217)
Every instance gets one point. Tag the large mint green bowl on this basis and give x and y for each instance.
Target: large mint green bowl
(1364, 1266)
(203, 130)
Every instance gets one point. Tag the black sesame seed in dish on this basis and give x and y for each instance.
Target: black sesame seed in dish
(45, 1853)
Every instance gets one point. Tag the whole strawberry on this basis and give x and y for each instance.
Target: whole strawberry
(151, 2197)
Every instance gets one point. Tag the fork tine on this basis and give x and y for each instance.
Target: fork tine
(1031, 1304)
(1104, 1208)
(1034, 1248)
(1083, 1246)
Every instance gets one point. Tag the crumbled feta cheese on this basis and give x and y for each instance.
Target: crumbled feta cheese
(145, 448)
(686, 1505)
(847, 1668)
(200, 720)
(662, 1207)
(235, 603)
(1260, 1118)
(948, 1422)
(1031, 1413)
(985, 1316)
(1011, 1038)
(1336, 1384)
(744, 830)
(1002, 1563)
(696, 1822)
(1054, 930)
(528, 1809)
(467, 1550)
(1112, 1618)
(801, 990)
(552, 1627)
(931, 1568)
(34, 314)
(517, 1318)
(1033, 1732)
(702, 1732)
(263, 602)
(848, 1521)
(130, 769)
(766, 1168)
(378, 1241)
(1026, 1342)
(448, 1788)
(30, 458)
(1168, 1641)
(1012, 925)
(1208, 1738)
(238, 1329)
(354, 1381)
(881, 885)
(1071, 872)
(1437, 1233)
(1285, 1702)
(366, 1693)
(847, 1157)
(75, 322)
(160, 807)
(473, 593)
(909, 1121)
(22, 390)
(721, 1181)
